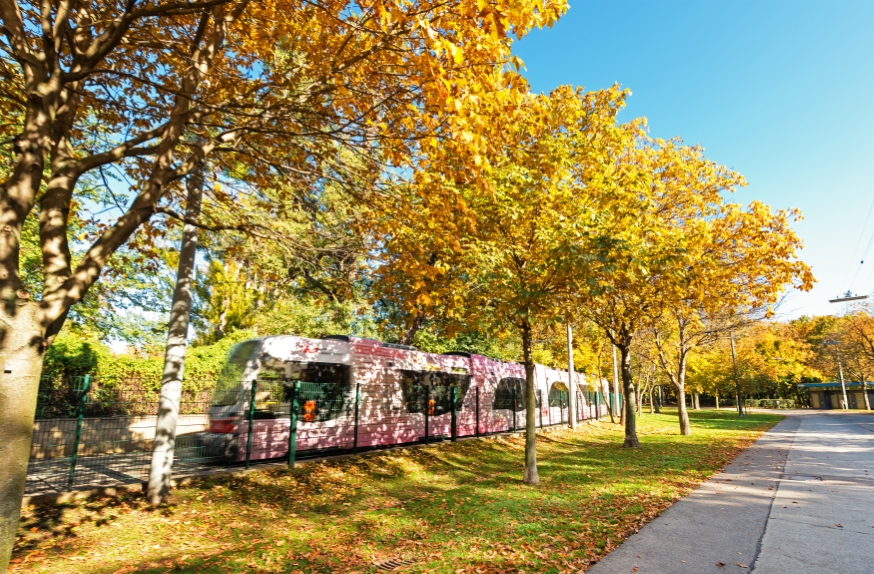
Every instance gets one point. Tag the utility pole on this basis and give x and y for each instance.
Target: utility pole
(843, 384)
(740, 409)
(571, 378)
(174, 355)
(615, 383)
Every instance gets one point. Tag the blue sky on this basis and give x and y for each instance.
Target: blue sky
(780, 90)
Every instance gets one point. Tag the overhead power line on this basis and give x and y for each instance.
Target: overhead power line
(856, 248)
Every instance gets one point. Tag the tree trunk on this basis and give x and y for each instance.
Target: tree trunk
(685, 429)
(651, 405)
(658, 405)
(415, 326)
(630, 400)
(174, 355)
(22, 348)
(639, 394)
(572, 385)
(530, 475)
(717, 401)
(615, 385)
(696, 404)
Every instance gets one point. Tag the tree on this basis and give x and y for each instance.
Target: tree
(858, 327)
(659, 197)
(492, 248)
(771, 360)
(275, 88)
(681, 258)
(163, 449)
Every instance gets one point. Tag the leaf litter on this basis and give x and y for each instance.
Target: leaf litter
(452, 507)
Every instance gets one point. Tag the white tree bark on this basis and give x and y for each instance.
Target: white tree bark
(174, 356)
(21, 358)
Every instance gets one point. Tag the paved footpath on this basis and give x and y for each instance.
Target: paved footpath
(799, 501)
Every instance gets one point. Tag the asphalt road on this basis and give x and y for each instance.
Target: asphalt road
(800, 500)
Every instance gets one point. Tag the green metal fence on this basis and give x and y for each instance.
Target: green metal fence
(87, 434)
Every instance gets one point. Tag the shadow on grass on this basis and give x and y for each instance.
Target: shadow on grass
(447, 506)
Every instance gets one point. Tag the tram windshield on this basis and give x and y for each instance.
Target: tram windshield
(230, 381)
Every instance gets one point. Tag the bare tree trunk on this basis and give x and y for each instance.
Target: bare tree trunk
(685, 429)
(717, 401)
(530, 475)
(638, 392)
(415, 326)
(630, 409)
(651, 405)
(658, 406)
(21, 358)
(572, 385)
(174, 355)
(696, 405)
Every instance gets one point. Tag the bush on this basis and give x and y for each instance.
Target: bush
(770, 403)
(123, 384)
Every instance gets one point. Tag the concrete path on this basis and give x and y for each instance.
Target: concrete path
(800, 500)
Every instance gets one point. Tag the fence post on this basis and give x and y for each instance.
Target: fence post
(548, 410)
(251, 423)
(514, 408)
(453, 394)
(540, 396)
(357, 404)
(427, 409)
(477, 411)
(86, 383)
(293, 406)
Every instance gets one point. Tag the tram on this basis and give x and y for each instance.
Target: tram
(360, 393)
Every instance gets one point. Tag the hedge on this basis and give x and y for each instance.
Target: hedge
(73, 356)
(771, 403)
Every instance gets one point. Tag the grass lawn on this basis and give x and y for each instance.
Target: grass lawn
(448, 508)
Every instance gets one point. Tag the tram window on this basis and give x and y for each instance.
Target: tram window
(504, 394)
(324, 390)
(417, 386)
(558, 395)
(229, 381)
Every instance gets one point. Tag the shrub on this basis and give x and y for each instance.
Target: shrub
(770, 403)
